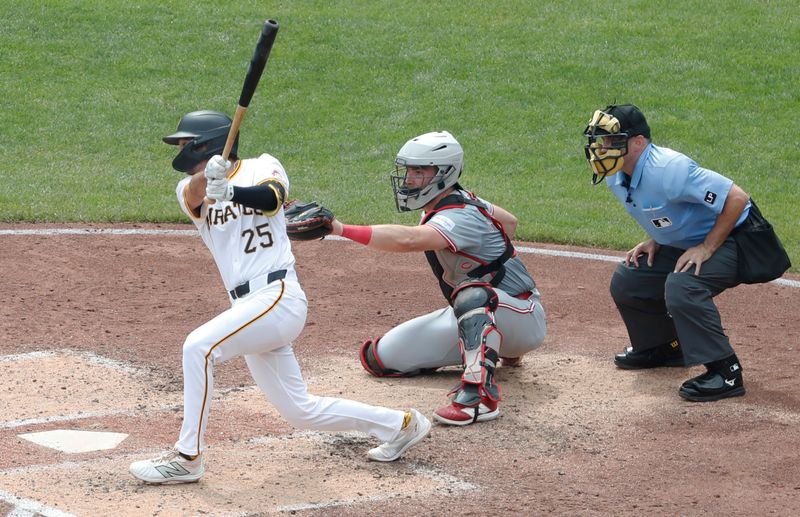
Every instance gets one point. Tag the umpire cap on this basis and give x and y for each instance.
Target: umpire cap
(631, 119)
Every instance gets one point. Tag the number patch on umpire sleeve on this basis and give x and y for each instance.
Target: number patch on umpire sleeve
(710, 197)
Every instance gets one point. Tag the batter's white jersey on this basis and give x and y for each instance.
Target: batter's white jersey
(245, 242)
(248, 245)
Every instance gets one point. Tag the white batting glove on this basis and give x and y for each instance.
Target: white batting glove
(219, 189)
(217, 168)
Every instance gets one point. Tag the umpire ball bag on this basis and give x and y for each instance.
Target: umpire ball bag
(761, 255)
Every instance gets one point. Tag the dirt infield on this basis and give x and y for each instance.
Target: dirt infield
(92, 331)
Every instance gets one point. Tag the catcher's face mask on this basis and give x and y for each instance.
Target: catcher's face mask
(606, 145)
(415, 185)
(438, 152)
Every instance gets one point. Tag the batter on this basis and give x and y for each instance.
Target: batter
(244, 227)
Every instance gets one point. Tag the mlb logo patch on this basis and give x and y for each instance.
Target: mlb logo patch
(661, 222)
(710, 197)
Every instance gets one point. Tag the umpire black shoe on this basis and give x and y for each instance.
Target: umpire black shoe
(722, 380)
(666, 355)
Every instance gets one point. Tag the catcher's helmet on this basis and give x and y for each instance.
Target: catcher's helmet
(207, 131)
(440, 149)
(608, 133)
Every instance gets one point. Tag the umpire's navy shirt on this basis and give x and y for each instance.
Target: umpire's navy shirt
(675, 200)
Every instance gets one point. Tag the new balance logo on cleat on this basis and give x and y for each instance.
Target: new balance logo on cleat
(171, 470)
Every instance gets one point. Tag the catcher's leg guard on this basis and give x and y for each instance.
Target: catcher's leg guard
(480, 339)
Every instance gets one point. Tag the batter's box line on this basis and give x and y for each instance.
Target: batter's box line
(28, 507)
(12, 424)
(114, 364)
(86, 355)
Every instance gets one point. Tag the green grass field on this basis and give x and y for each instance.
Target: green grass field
(90, 87)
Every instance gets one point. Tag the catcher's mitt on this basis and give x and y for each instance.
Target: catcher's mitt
(307, 221)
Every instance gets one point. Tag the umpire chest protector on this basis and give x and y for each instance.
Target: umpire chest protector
(496, 267)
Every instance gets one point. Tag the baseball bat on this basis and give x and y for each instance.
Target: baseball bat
(254, 72)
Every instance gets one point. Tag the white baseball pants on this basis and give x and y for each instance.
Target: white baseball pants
(261, 326)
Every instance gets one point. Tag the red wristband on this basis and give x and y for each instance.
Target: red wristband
(362, 234)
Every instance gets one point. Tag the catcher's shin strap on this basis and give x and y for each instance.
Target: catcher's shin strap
(256, 283)
(496, 266)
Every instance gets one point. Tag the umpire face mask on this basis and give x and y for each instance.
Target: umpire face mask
(606, 146)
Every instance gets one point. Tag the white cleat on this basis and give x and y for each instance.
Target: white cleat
(417, 429)
(170, 467)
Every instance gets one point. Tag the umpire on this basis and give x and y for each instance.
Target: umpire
(689, 212)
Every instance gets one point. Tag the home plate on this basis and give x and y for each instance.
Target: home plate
(72, 442)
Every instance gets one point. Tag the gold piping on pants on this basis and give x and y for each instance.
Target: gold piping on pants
(205, 391)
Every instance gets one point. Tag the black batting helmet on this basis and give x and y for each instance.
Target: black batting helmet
(207, 132)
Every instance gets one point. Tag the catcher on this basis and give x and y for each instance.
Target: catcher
(493, 315)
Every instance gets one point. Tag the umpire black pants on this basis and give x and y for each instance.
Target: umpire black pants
(658, 306)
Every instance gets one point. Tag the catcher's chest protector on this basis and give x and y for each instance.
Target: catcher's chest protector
(458, 200)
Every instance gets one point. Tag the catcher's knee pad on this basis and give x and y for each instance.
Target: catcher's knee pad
(373, 364)
(480, 339)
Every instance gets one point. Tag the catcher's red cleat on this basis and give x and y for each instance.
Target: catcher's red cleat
(459, 414)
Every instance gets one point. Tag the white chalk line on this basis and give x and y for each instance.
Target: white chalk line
(28, 508)
(84, 415)
(98, 231)
(85, 355)
(140, 231)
